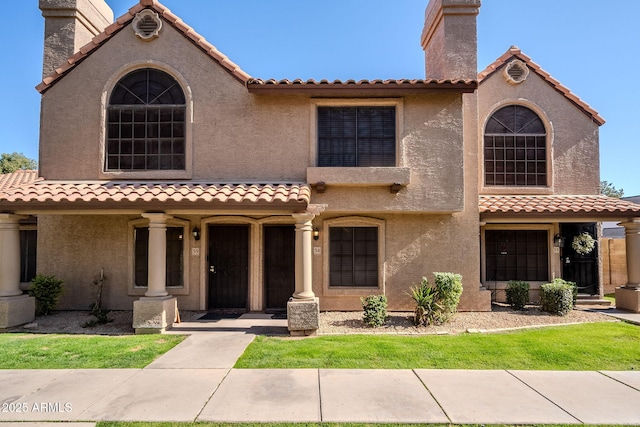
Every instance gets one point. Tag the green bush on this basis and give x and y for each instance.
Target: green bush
(435, 305)
(517, 294)
(375, 310)
(46, 290)
(557, 297)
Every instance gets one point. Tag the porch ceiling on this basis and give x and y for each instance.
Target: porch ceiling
(596, 207)
(43, 194)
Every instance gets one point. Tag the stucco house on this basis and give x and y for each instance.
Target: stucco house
(188, 183)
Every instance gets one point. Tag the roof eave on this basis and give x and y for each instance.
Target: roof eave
(379, 89)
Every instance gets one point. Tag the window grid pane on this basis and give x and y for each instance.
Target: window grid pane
(146, 123)
(356, 136)
(516, 255)
(515, 148)
(353, 259)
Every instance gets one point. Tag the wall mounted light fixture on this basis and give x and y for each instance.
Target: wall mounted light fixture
(316, 233)
(196, 233)
(558, 241)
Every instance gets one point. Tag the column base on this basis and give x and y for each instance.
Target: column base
(628, 299)
(154, 315)
(17, 310)
(303, 316)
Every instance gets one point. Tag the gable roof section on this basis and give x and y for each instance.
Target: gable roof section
(515, 52)
(125, 20)
(17, 178)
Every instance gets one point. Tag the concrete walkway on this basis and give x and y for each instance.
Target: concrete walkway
(195, 382)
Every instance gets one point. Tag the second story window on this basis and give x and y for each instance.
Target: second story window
(146, 123)
(356, 136)
(515, 148)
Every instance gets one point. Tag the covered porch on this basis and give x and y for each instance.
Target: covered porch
(545, 229)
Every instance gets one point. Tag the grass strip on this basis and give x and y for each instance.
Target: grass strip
(592, 346)
(54, 351)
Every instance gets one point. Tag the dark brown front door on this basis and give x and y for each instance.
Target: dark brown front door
(228, 266)
(279, 265)
(578, 268)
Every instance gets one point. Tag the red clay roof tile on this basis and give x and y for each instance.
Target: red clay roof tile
(515, 52)
(397, 85)
(63, 193)
(577, 204)
(17, 178)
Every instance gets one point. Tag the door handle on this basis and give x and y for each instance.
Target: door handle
(212, 269)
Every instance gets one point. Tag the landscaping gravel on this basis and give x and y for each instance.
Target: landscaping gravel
(336, 322)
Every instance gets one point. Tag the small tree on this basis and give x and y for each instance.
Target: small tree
(608, 189)
(16, 161)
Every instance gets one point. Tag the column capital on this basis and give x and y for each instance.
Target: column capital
(303, 217)
(157, 217)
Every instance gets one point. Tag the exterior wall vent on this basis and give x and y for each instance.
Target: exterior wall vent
(516, 71)
(147, 24)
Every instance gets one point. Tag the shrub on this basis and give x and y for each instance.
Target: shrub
(46, 290)
(426, 304)
(449, 290)
(375, 310)
(435, 305)
(557, 297)
(517, 294)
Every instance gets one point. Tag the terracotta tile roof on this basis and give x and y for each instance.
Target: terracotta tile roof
(126, 194)
(399, 85)
(17, 178)
(590, 204)
(125, 20)
(515, 52)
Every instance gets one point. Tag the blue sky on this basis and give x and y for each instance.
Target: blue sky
(588, 45)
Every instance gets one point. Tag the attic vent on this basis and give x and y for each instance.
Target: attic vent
(516, 71)
(147, 24)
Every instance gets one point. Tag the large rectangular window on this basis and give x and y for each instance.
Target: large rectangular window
(353, 256)
(356, 136)
(517, 255)
(175, 259)
(28, 246)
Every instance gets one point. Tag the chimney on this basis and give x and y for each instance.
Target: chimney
(69, 25)
(449, 39)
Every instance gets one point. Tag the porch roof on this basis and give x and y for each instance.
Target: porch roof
(43, 193)
(596, 206)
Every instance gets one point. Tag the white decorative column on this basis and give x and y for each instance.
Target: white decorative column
(628, 296)
(156, 311)
(303, 309)
(15, 308)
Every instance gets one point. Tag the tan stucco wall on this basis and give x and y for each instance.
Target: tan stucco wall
(75, 248)
(571, 135)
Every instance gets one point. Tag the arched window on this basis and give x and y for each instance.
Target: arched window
(146, 123)
(515, 148)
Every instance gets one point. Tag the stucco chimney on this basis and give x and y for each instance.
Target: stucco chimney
(69, 25)
(450, 40)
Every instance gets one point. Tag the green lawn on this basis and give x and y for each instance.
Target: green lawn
(593, 346)
(31, 351)
(611, 297)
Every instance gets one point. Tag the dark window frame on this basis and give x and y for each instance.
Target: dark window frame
(515, 148)
(354, 256)
(516, 255)
(356, 136)
(146, 123)
(175, 238)
(28, 254)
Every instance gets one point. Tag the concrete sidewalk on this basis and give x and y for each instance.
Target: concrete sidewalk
(321, 395)
(195, 382)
